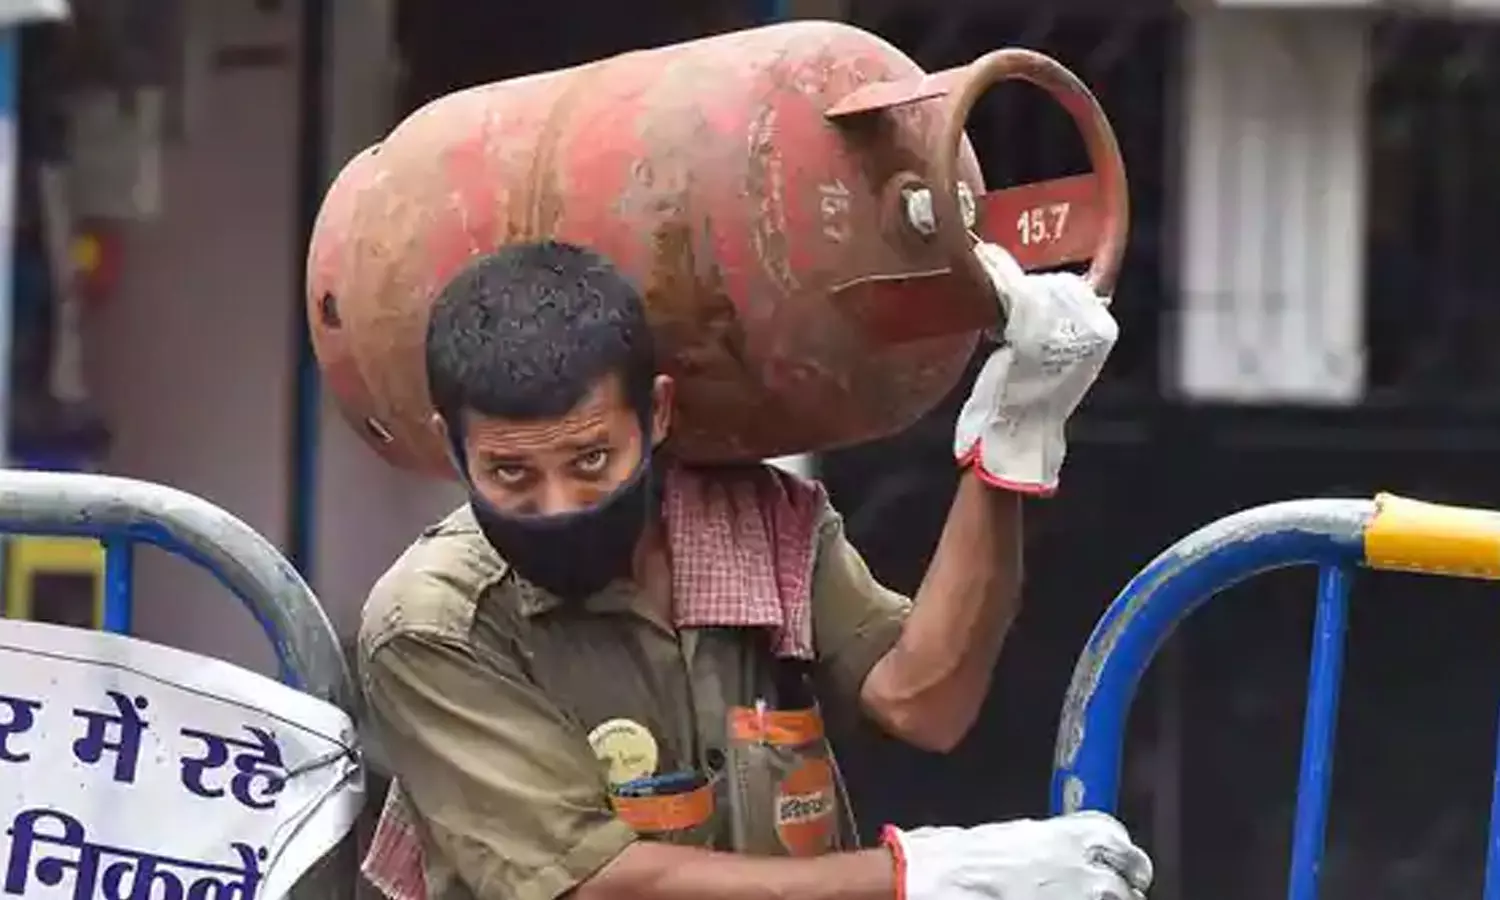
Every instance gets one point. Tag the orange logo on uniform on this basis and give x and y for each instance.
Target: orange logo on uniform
(805, 807)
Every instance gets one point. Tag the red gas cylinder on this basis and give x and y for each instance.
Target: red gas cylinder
(796, 202)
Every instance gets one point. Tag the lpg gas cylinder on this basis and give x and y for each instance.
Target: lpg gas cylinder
(797, 204)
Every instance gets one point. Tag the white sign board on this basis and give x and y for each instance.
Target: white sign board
(130, 771)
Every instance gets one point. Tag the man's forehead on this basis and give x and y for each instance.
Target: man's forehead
(590, 419)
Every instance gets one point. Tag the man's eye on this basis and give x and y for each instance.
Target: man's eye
(592, 462)
(508, 474)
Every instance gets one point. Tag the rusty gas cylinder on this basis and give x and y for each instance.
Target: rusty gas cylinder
(797, 203)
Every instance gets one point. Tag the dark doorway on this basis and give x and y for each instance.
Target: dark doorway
(460, 43)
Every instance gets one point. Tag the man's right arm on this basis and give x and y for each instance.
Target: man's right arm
(512, 797)
(647, 871)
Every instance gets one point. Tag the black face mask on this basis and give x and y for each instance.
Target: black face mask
(572, 555)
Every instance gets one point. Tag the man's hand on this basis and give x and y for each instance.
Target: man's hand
(1058, 333)
(1084, 856)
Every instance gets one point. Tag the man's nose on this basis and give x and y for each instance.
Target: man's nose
(559, 497)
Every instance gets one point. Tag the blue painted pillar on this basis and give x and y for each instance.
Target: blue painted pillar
(312, 178)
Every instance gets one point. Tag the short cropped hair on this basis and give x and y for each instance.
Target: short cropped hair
(527, 331)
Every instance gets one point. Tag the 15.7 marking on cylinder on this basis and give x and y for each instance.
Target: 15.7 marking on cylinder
(1043, 224)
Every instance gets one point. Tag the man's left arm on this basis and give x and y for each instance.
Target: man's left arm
(928, 689)
(921, 670)
(927, 686)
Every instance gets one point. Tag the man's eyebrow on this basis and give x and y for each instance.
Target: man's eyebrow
(494, 458)
(571, 444)
(588, 442)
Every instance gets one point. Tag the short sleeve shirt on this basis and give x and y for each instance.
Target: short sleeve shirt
(470, 675)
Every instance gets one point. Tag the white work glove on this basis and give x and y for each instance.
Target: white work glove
(1058, 333)
(1083, 856)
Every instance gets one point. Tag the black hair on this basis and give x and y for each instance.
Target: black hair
(527, 331)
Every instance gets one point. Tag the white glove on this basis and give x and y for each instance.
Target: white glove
(1058, 333)
(1083, 856)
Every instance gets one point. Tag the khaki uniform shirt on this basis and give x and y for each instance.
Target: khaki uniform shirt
(483, 690)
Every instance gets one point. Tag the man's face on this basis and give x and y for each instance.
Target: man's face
(552, 466)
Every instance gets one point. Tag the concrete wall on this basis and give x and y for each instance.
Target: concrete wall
(193, 358)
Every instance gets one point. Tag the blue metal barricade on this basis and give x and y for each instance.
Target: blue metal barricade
(1389, 533)
(123, 512)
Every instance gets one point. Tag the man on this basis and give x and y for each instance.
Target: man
(604, 647)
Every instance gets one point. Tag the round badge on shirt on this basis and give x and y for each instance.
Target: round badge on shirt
(627, 748)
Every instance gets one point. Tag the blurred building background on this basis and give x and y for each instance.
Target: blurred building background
(1304, 313)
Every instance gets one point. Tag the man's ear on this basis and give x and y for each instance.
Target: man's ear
(663, 395)
(439, 427)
